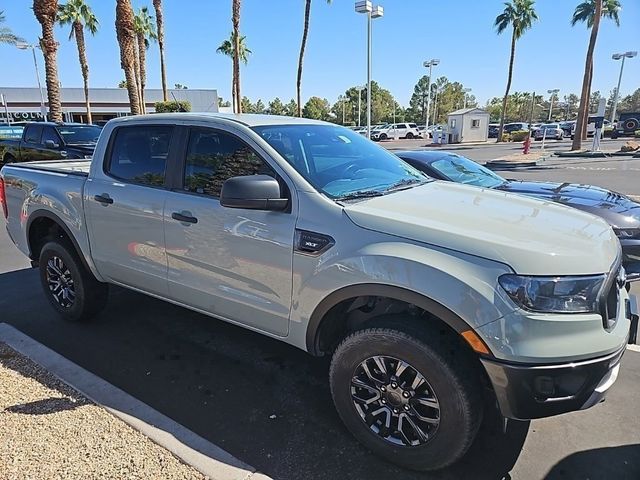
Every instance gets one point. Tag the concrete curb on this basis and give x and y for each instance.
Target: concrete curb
(192, 449)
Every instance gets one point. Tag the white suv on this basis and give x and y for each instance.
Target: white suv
(396, 130)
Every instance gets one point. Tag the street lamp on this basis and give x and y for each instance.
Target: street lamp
(553, 93)
(372, 12)
(429, 64)
(360, 102)
(26, 46)
(465, 90)
(342, 99)
(618, 56)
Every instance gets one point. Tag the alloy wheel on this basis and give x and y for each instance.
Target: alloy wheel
(395, 401)
(60, 282)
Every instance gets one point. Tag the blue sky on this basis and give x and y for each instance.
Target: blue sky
(459, 33)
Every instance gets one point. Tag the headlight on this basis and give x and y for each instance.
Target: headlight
(554, 294)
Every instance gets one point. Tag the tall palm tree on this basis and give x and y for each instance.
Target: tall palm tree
(519, 15)
(227, 48)
(145, 31)
(125, 30)
(303, 46)
(6, 35)
(79, 15)
(46, 12)
(157, 5)
(235, 20)
(585, 12)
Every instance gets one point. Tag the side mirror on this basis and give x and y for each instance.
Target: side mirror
(51, 144)
(253, 192)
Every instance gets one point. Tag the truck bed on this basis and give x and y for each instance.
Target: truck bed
(73, 167)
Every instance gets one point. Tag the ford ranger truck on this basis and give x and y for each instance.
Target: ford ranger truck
(436, 301)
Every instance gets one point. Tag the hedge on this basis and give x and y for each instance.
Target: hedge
(519, 135)
(173, 106)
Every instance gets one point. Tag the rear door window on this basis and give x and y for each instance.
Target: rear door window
(33, 134)
(139, 154)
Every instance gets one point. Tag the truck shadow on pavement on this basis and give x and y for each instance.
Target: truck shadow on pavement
(261, 400)
(610, 462)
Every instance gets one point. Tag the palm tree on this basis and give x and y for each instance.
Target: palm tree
(145, 31)
(125, 29)
(520, 15)
(6, 35)
(79, 15)
(226, 48)
(303, 45)
(46, 12)
(585, 12)
(157, 5)
(235, 20)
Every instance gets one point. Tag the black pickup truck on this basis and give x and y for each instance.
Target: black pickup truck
(50, 141)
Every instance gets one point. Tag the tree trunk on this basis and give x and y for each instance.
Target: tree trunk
(157, 5)
(45, 11)
(236, 51)
(506, 93)
(136, 63)
(585, 120)
(584, 96)
(82, 56)
(127, 40)
(142, 53)
(303, 45)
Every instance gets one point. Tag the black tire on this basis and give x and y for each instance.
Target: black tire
(614, 134)
(450, 376)
(631, 125)
(89, 295)
(383, 136)
(409, 136)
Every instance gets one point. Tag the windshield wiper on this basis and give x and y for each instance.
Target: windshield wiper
(404, 184)
(361, 194)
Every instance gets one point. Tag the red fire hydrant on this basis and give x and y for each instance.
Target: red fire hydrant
(527, 144)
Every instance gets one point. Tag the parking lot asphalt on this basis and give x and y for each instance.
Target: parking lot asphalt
(269, 404)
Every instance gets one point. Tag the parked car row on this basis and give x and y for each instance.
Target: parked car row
(436, 301)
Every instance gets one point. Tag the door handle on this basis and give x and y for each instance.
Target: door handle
(103, 199)
(184, 217)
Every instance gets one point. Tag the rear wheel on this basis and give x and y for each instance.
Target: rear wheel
(70, 287)
(414, 402)
(410, 135)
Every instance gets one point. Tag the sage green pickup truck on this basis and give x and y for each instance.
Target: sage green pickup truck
(436, 301)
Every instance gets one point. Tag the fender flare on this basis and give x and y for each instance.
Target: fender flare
(378, 290)
(37, 214)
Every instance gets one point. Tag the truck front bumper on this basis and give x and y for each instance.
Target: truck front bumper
(535, 391)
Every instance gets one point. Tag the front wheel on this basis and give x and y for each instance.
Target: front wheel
(383, 136)
(410, 401)
(410, 136)
(70, 287)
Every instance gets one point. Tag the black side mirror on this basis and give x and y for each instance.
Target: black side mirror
(253, 192)
(51, 144)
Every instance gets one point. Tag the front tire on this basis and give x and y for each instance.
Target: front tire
(415, 402)
(70, 287)
(409, 136)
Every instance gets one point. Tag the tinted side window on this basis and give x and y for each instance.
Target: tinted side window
(412, 125)
(49, 133)
(139, 154)
(214, 156)
(33, 134)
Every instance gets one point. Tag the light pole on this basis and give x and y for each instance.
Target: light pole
(465, 90)
(26, 46)
(429, 64)
(618, 56)
(553, 93)
(342, 99)
(360, 103)
(372, 12)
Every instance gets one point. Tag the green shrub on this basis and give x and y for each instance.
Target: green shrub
(506, 137)
(519, 135)
(173, 106)
(637, 133)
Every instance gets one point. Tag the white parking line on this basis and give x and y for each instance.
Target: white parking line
(634, 348)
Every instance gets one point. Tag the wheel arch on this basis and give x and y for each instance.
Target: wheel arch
(321, 320)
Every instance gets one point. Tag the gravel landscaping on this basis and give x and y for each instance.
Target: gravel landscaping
(48, 430)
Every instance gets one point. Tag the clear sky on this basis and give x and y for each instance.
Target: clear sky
(460, 33)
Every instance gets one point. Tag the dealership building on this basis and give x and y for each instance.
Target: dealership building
(25, 104)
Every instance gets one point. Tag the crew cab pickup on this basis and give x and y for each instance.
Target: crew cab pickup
(436, 301)
(48, 141)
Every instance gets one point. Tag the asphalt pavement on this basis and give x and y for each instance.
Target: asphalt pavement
(269, 404)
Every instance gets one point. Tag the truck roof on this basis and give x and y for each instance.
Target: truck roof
(246, 119)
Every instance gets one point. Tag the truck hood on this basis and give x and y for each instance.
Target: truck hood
(532, 236)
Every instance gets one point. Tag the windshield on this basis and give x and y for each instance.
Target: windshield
(339, 162)
(462, 170)
(79, 134)
(551, 125)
